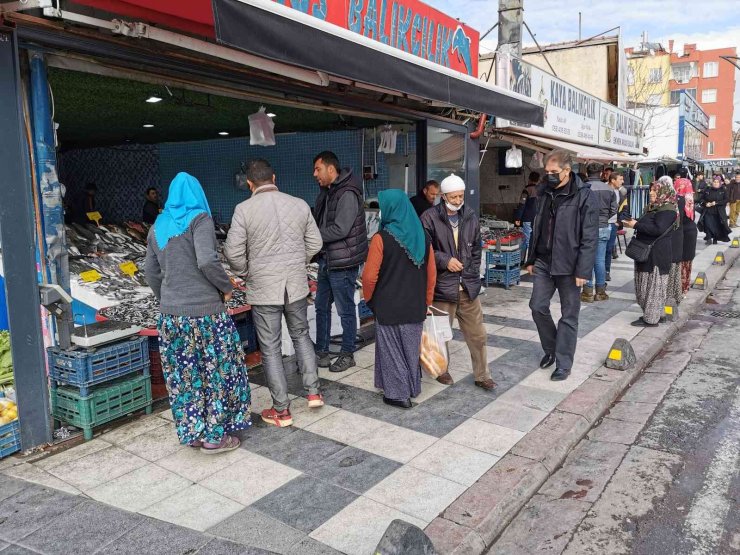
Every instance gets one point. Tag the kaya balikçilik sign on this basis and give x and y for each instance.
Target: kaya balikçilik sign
(408, 25)
(570, 113)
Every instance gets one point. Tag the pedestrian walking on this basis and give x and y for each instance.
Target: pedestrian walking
(454, 231)
(341, 219)
(733, 194)
(398, 284)
(561, 257)
(272, 237)
(654, 228)
(616, 182)
(524, 214)
(202, 358)
(713, 221)
(607, 200)
(699, 183)
(426, 198)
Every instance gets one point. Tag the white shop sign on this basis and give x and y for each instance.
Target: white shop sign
(570, 113)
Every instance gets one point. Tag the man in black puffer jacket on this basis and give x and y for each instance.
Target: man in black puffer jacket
(561, 256)
(455, 235)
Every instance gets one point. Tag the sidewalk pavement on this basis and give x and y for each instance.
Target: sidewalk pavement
(460, 464)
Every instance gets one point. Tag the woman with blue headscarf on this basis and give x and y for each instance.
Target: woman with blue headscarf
(202, 359)
(398, 285)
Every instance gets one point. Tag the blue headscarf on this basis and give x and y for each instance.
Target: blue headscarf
(185, 200)
(398, 217)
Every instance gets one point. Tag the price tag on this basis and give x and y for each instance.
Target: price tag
(128, 268)
(91, 276)
(95, 217)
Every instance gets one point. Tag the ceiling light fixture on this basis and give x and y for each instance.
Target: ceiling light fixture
(223, 133)
(148, 125)
(271, 115)
(153, 99)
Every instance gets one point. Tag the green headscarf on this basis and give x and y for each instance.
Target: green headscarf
(398, 217)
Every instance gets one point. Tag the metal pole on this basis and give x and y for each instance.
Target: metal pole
(579, 25)
(19, 258)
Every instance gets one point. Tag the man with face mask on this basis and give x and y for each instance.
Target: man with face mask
(454, 231)
(561, 257)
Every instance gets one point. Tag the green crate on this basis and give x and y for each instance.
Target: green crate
(103, 404)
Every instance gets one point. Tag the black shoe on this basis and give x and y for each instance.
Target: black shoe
(343, 363)
(641, 323)
(547, 360)
(323, 360)
(405, 404)
(714, 241)
(560, 374)
(608, 276)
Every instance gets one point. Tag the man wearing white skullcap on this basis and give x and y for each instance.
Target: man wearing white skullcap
(455, 234)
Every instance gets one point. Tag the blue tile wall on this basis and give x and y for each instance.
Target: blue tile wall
(215, 162)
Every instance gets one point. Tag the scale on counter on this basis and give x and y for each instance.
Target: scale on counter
(59, 303)
(99, 333)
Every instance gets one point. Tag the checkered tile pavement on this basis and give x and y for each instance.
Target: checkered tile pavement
(334, 481)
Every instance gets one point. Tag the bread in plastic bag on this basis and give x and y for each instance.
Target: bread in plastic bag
(434, 337)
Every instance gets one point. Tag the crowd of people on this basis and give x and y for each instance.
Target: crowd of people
(427, 253)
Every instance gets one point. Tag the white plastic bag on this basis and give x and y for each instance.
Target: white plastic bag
(514, 157)
(538, 160)
(261, 129)
(434, 337)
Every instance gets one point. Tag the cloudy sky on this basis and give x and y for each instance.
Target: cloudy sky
(709, 23)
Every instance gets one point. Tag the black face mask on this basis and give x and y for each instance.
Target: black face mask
(552, 180)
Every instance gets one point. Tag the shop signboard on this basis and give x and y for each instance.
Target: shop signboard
(693, 127)
(690, 111)
(570, 113)
(408, 25)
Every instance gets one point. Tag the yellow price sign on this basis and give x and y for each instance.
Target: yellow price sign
(669, 310)
(128, 268)
(90, 276)
(615, 354)
(95, 217)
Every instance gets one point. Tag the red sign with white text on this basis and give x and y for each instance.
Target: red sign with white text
(408, 25)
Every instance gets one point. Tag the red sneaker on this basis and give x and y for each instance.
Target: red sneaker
(281, 419)
(315, 401)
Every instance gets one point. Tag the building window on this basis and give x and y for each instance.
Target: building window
(655, 75)
(654, 100)
(682, 72)
(710, 148)
(712, 122)
(676, 95)
(711, 69)
(709, 95)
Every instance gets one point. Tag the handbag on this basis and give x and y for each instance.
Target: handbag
(639, 251)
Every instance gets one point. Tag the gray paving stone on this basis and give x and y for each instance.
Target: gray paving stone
(10, 486)
(31, 509)
(254, 528)
(354, 469)
(305, 503)
(84, 529)
(159, 536)
(347, 397)
(432, 418)
(310, 546)
(509, 322)
(615, 431)
(218, 546)
(17, 550)
(260, 435)
(301, 450)
(648, 388)
(460, 399)
(631, 412)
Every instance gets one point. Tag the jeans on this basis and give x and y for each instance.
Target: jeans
(527, 229)
(600, 267)
(268, 322)
(561, 340)
(336, 286)
(610, 248)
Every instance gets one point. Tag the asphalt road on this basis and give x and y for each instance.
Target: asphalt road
(659, 474)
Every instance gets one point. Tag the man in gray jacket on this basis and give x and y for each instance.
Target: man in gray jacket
(607, 209)
(272, 237)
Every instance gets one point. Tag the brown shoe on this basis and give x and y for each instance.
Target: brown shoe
(445, 379)
(488, 384)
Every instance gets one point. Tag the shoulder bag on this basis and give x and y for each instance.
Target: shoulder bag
(639, 251)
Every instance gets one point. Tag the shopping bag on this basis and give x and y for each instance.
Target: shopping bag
(434, 337)
(513, 157)
(261, 129)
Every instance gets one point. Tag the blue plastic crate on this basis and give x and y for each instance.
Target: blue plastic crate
(85, 368)
(10, 438)
(245, 326)
(363, 310)
(507, 258)
(503, 277)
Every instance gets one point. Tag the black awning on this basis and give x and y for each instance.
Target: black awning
(273, 31)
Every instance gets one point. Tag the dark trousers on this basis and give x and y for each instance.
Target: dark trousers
(336, 286)
(562, 339)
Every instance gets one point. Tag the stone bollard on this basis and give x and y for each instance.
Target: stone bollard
(402, 538)
(735, 243)
(670, 312)
(719, 259)
(621, 356)
(700, 282)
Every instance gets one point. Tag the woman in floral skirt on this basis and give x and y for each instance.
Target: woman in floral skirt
(202, 359)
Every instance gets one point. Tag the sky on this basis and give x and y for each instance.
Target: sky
(708, 24)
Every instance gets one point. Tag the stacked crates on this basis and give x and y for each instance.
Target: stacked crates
(93, 386)
(10, 438)
(503, 267)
